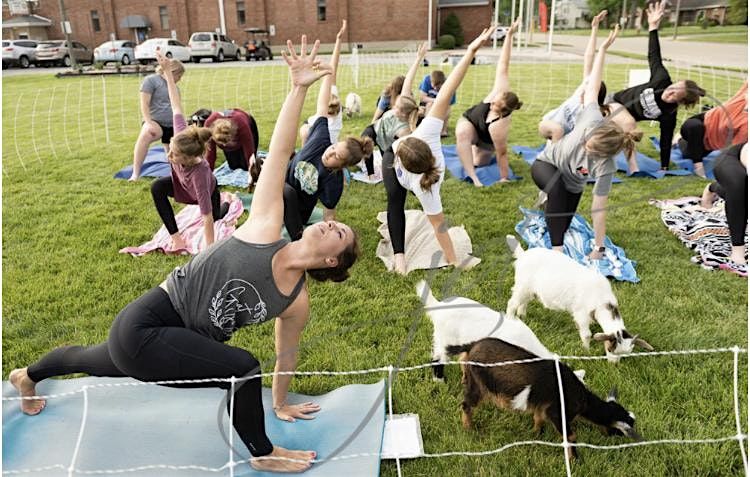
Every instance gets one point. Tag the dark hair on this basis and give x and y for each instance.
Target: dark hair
(345, 260)
(510, 103)
(358, 149)
(693, 94)
(601, 98)
(416, 157)
(255, 169)
(199, 117)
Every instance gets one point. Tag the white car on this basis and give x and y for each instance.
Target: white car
(146, 51)
(19, 52)
(206, 44)
(500, 33)
(118, 51)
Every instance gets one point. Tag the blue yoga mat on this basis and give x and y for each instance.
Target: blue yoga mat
(488, 174)
(132, 426)
(577, 244)
(529, 156)
(155, 165)
(231, 177)
(684, 163)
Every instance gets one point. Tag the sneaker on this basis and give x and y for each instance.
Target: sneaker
(735, 268)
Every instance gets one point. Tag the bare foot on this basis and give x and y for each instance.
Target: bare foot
(20, 380)
(477, 182)
(300, 463)
(399, 264)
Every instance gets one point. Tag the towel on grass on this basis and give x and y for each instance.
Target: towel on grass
(315, 217)
(529, 156)
(155, 165)
(190, 225)
(684, 163)
(421, 249)
(231, 177)
(577, 244)
(488, 174)
(377, 162)
(704, 231)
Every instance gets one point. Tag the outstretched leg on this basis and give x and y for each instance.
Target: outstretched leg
(466, 137)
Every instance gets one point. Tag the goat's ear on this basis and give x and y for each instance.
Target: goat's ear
(603, 337)
(612, 396)
(628, 431)
(642, 343)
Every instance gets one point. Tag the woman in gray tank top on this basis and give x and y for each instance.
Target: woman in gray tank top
(176, 330)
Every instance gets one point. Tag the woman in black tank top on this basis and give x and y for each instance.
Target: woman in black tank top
(152, 340)
(483, 129)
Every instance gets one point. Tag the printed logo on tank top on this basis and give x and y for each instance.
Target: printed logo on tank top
(307, 175)
(648, 103)
(237, 303)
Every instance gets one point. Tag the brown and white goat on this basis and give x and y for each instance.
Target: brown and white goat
(532, 388)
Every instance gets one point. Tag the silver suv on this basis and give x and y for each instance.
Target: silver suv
(19, 52)
(207, 44)
(57, 52)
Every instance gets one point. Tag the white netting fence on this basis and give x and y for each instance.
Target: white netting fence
(43, 123)
(390, 372)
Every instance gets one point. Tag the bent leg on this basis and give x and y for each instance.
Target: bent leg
(466, 137)
(150, 132)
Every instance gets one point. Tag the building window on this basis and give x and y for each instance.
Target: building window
(321, 10)
(164, 17)
(95, 21)
(240, 12)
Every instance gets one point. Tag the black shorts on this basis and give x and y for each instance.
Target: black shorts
(166, 133)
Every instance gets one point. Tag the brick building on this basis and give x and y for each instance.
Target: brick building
(372, 23)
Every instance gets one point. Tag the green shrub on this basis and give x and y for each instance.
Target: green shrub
(452, 26)
(447, 42)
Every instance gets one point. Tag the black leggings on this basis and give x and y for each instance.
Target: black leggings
(297, 211)
(396, 202)
(693, 131)
(235, 159)
(163, 188)
(370, 132)
(731, 185)
(149, 342)
(561, 203)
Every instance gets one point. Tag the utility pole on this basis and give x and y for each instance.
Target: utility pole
(65, 24)
(676, 21)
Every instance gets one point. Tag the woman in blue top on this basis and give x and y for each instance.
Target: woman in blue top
(176, 331)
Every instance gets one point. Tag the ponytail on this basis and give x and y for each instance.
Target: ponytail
(630, 140)
(510, 103)
(416, 157)
(428, 178)
(358, 148)
(190, 144)
(407, 109)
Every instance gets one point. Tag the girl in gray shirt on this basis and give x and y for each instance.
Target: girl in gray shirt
(562, 169)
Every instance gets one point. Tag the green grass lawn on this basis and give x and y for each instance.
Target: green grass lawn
(693, 30)
(65, 218)
(718, 38)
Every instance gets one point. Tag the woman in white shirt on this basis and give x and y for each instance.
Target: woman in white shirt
(416, 164)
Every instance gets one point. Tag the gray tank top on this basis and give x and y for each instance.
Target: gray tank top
(228, 286)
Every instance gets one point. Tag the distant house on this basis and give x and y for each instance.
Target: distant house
(693, 11)
(572, 14)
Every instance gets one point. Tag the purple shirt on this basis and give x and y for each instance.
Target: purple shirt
(192, 184)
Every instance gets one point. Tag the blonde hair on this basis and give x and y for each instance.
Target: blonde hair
(334, 106)
(223, 131)
(407, 110)
(358, 149)
(609, 138)
(394, 88)
(190, 144)
(176, 67)
(416, 157)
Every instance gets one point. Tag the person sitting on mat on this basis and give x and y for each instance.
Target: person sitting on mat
(562, 120)
(191, 180)
(429, 89)
(716, 129)
(177, 330)
(157, 114)
(399, 121)
(659, 98)
(731, 185)
(236, 133)
(333, 112)
(483, 129)
(562, 169)
(388, 97)
(316, 171)
(416, 163)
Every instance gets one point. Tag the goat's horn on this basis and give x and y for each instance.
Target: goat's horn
(642, 343)
(602, 337)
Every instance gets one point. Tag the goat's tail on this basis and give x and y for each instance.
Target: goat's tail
(453, 350)
(425, 294)
(514, 245)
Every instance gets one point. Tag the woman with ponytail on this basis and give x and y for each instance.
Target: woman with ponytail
(316, 171)
(415, 163)
(562, 169)
(191, 180)
(399, 121)
(483, 129)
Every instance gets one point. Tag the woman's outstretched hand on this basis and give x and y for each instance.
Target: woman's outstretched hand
(611, 37)
(292, 412)
(655, 13)
(598, 18)
(164, 62)
(484, 36)
(340, 34)
(305, 68)
(514, 27)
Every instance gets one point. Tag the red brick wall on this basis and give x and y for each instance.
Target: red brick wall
(472, 19)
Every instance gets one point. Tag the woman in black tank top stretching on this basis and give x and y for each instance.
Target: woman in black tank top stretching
(175, 331)
(483, 128)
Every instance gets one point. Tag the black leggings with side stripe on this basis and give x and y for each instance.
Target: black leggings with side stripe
(561, 203)
(149, 342)
(396, 202)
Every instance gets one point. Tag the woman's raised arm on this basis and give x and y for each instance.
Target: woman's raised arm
(406, 88)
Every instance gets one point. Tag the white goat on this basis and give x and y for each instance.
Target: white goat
(352, 105)
(458, 321)
(560, 283)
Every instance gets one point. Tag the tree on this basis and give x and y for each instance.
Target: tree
(738, 12)
(452, 26)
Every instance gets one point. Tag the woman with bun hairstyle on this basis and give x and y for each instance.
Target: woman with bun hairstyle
(191, 180)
